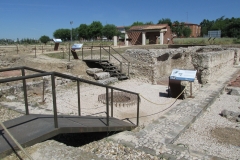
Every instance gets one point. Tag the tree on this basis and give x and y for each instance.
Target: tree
(206, 26)
(63, 34)
(149, 23)
(137, 23)
(177, 28)
(95, 29)
(109, 30)
(232, 28)
(186, 32)
(165, 21)
(44, 39)
(83, 31)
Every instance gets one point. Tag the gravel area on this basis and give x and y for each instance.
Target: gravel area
(213, 134)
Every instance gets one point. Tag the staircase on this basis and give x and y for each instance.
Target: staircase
(107, 67)
(114, 72)
(105, 64)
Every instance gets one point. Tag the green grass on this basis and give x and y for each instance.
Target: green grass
(206, 41)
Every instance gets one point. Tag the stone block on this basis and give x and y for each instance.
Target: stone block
(101, 75)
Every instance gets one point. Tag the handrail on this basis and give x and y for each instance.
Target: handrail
(111, 55)
(56, 74)
(119, 54)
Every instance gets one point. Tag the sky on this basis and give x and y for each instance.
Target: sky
(33, 19)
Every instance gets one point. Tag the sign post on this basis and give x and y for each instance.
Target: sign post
(184, 75)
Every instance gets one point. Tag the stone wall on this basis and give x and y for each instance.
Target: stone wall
(154, 64)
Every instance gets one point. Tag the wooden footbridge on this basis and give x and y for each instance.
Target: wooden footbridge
(33, 128)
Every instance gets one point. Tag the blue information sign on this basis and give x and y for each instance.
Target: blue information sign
(77, 46)
(183, 75)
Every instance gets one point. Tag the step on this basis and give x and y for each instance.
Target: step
(122, 77)
(113, 70)
(109, 67)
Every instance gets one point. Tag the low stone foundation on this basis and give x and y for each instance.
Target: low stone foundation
(155, 64)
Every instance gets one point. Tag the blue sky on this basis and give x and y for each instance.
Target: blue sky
(32, 19)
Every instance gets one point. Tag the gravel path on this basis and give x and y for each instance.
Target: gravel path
(203, 135)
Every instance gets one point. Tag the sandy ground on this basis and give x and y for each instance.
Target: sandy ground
(67, 102)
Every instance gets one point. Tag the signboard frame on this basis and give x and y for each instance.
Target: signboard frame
(183, 75)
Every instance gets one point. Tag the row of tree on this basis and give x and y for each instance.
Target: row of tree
(230, 27)
(84, 31)
(20, 41)
(96, 30)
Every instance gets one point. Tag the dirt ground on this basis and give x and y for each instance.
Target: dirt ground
(67, 101)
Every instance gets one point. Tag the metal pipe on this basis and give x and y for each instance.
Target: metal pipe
(128, 69)
(82, 53)
(121, 67)
(43, 90)
(138, 110)
(69, 52)
(25, 92)
(111, 102)
(107, 106)
(54, 101)
(109, 53)
(35, 51)
(91, 51)
(79, 105)
(100, 54)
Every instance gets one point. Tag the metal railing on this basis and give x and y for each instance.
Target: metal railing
(41, 73)
(108, 50)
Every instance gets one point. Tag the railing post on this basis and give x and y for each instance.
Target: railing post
(111, 102)
(54, 100)
(121, 67)
(100, 54)
(69, 52)
(138, 109)
(107, 106)
(79, 105)
(43, 89)
(128, 69)
(25, 92)
(91, 51)
(35, 51)
(82, 53)
(109, 52)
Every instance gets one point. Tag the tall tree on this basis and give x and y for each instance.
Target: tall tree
(109, 30)
(206, 26)
(137, 23)
(95, 29)
(177, 28)
(63, 34)
(165, 21)
(186, 31)
(148, 23)
(44, 39)
(232, 28)
(83, 31)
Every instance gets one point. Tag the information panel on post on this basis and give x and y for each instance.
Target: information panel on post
(77, 46)
(183, 75)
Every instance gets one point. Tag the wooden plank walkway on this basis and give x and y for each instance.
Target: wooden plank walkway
(34, 128)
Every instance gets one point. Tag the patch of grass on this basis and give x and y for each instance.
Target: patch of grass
(204, 41)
